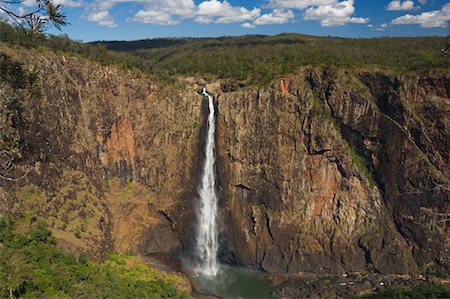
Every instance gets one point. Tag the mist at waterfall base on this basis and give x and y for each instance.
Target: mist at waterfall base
(212, 277)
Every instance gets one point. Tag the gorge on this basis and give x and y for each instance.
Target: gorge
(324, 170)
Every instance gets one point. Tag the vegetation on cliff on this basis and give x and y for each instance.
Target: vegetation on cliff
(33, 266)
(18, 87)
(62, 43)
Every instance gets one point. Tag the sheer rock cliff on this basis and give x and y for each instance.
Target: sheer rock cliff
(327, 170)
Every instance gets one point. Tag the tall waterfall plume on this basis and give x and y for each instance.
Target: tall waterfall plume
(207, 243)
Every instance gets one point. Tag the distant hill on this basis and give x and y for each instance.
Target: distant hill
(141, 44)
(260, 58)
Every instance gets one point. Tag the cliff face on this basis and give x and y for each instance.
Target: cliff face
(331, 171)
(324, 171)
(112, 155)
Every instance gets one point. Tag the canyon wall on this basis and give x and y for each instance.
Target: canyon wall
(334, 171)
(325, 170)
(111, 156)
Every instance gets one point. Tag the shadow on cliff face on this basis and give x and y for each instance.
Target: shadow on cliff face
(188, 233)
(334, 171)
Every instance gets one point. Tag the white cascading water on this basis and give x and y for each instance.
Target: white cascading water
(207, 240)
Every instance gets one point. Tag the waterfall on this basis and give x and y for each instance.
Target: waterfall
(207, 240)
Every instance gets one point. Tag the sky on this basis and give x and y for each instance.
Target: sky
(139, 19)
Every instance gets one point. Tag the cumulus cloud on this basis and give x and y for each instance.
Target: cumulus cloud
(65, 3)
(382, 27)
(170, 12)
(165, 12)
(401, 5)
(248, 25)
(299, 4)
(429, 19)
(336, 14)
(277, 16)
(214, 11)
(102, 18)
(69, 3)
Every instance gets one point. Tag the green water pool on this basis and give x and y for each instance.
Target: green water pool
(235, 282)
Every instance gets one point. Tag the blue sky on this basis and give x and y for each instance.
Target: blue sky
(138, 19)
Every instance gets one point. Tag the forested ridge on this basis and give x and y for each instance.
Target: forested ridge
(259, 59)
(252, 59)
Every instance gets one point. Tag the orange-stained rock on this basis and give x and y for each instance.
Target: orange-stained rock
(284, 86)
(119, 144)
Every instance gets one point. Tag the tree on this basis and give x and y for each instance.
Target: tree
(40, 16)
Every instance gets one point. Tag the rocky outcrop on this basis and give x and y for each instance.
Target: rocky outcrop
(322, 173)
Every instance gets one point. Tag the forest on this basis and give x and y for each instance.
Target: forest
(251, 59)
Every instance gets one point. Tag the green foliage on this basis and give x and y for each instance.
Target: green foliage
(229, 199)
(422, 291)
(255, 59)
(33, 266)
(436, 272)
(65, 45)
(16, 88)
(320, 110)
(259, 59)
(361, 163)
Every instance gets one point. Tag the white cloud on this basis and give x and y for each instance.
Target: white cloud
(337, 14)
(65, 3)
(214, 11)
(102, 18)
(154, 17)
(401, 5)
(248, 25)
(170, 12)
(165, 12)
(299, 4)
(383, 27)
(429, 19)
(108, 4)
(277, 16)
(68, 3)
